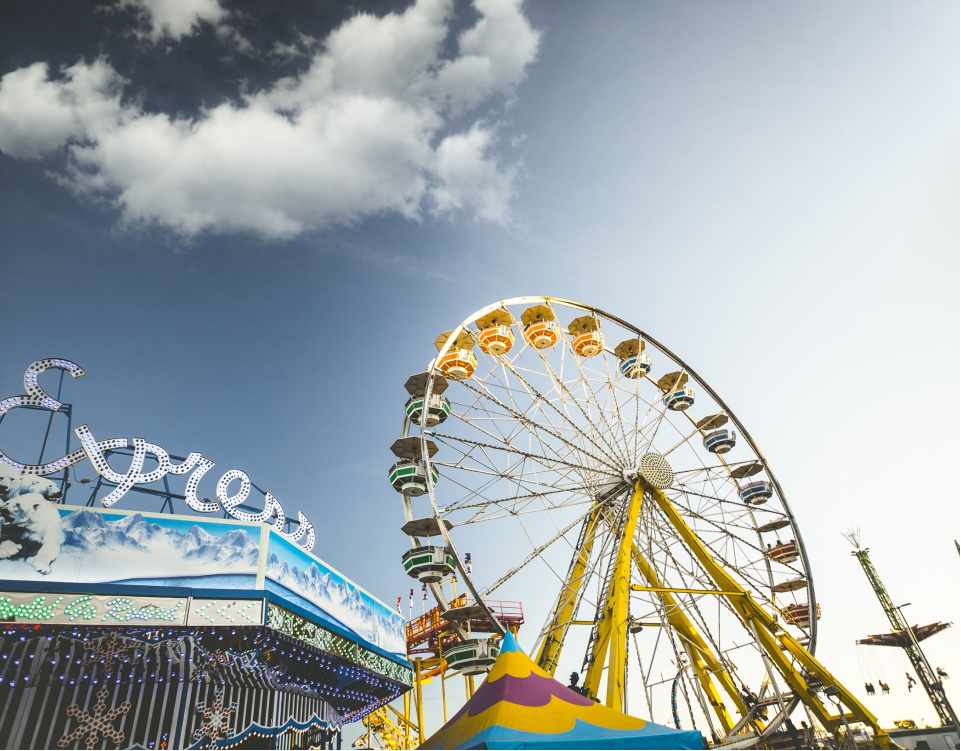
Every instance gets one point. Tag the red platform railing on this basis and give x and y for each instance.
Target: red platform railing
(429, 627)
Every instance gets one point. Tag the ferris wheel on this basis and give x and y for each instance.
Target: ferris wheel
(593, 472)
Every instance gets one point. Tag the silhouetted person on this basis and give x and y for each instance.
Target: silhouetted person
(942, 674)
(911, 681)
(885, 688)
(869, 687)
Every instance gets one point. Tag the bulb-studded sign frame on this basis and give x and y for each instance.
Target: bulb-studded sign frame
(198, 465)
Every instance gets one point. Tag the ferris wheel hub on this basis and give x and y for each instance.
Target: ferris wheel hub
(655, 469)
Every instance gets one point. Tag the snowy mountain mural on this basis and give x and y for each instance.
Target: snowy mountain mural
(99, 547)
(86, 545)
(369, 618)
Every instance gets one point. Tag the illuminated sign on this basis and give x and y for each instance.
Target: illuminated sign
(93, 450)
(225, 612)
(24, 607)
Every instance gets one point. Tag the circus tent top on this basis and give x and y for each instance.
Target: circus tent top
(521, 706)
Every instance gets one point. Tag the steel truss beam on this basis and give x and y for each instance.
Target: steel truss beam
(770, 637)
(570, 594)
(612, 628)
(707, 667)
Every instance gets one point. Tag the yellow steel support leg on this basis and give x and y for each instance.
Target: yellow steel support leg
(420, 704)
(704, 663)
(612, 630)
(567, 602)
(443, 675)
(771, 637)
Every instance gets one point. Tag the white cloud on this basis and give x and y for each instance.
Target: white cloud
(364, 130)
(37, 115)
(175, 19)
(467, 177)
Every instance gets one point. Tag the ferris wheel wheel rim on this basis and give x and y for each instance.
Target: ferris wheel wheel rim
(534, 300)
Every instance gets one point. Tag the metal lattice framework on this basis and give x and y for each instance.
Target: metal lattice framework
(586, 468)
(909, 637)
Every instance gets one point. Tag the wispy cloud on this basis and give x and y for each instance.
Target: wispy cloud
(365, 129)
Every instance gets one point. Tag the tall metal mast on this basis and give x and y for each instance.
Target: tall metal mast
(922, 667)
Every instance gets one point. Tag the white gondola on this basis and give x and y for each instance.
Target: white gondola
(756, 493)
(429, 564)
(720, 441)
(472, 656)
(679, 399)
(636, 366)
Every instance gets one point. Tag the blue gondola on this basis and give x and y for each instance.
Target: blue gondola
(679, 399)
(636, 366)
(756, 493)
(720, 441)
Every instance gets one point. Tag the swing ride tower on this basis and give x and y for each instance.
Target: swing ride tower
(605, 483)
(905, 637)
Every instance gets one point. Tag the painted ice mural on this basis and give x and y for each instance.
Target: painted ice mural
(99, 547)
(372, 620)
(91, 546)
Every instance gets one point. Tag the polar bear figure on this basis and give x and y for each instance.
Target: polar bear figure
(47, 488)
(10, 481)
(31, 531)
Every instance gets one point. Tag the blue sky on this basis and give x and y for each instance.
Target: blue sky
(769, 189)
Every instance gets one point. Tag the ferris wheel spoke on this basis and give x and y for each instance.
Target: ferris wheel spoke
(508, 442)
(730, 566)
(722, 531)
(610, 406)
(544, 460)
(477, 492)
(612, 391)
(536, 553)
(559, 384)
(569, 489)
(536, 426)
(683, 441)
(600, 423)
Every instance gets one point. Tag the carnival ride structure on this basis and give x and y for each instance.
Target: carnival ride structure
(590, 456)
(172, 630)
(906, 637)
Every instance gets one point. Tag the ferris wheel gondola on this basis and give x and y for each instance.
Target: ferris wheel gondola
(609, 471)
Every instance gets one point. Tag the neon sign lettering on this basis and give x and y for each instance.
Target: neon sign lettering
(94, 450)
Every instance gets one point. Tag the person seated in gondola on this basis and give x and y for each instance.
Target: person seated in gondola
(885, 688)
(941, 673)
(869, 687)
(911, 681)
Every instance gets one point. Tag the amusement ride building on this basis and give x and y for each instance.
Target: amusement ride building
(159, 630)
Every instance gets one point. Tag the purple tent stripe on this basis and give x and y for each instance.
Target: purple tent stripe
(533, 691)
